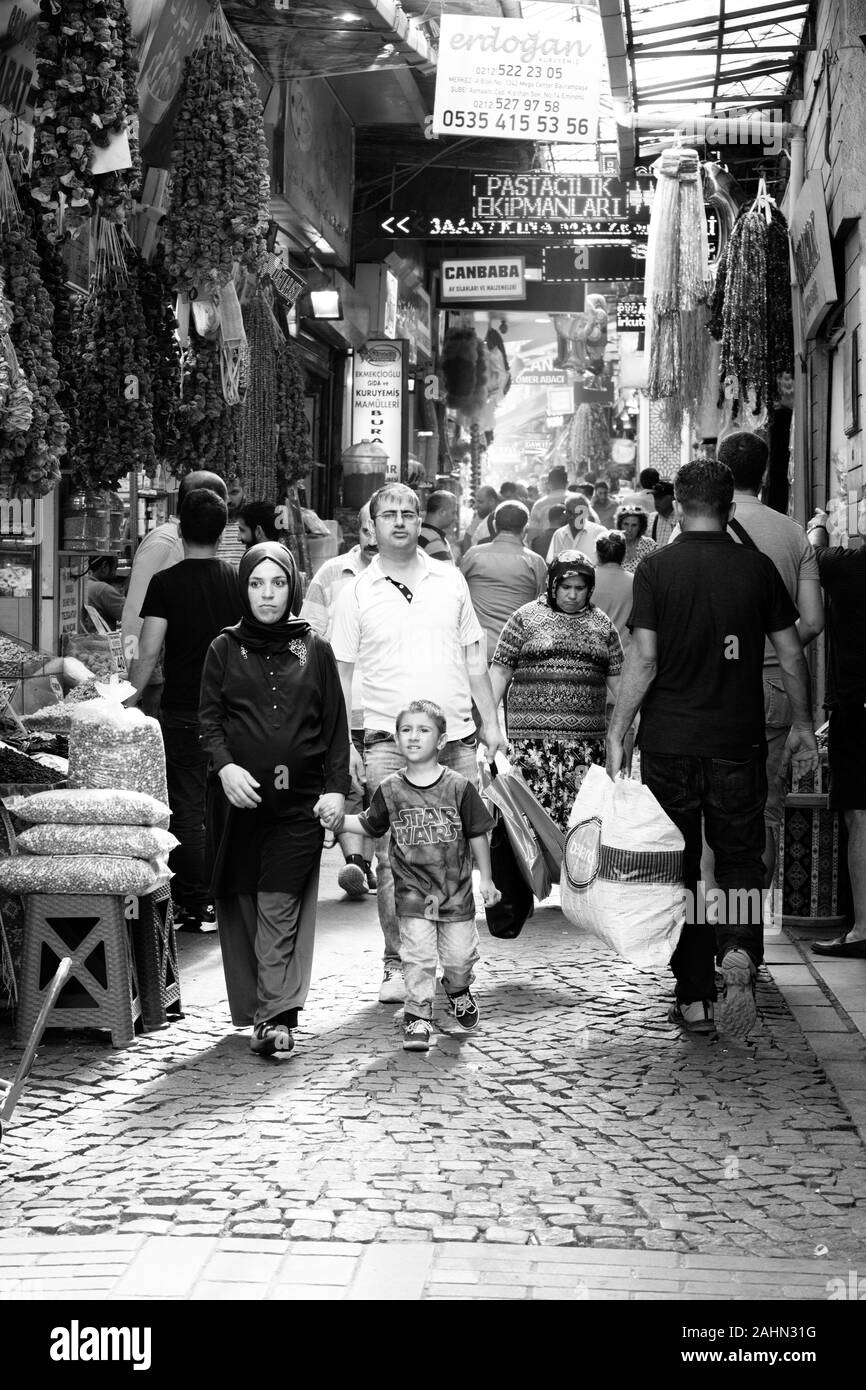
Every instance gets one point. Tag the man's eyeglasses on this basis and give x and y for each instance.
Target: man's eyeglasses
(394, 516)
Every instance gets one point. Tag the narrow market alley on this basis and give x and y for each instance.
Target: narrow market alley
(576, 1124)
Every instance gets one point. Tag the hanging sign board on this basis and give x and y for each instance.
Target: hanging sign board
(630, 315)
(378, 393)
(558, 197)
(287, 283)
(553, 377)
(67, 618)
(560, 400)
(515, 79)
(594, 395)
(813, 256)
(496, 277)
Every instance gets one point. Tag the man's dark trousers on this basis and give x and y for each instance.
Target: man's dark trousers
(186, 768)
(730, 797)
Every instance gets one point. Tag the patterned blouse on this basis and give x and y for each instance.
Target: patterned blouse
(560, 663)
(635, 553)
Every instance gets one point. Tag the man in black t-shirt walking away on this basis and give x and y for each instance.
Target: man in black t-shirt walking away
(185, 607)
(702, 608)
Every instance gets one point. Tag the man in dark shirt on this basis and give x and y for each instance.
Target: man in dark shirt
(702, 607)
(185, 607)
(843, 577)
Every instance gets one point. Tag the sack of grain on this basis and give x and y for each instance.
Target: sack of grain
(90, 806)
(110, 746)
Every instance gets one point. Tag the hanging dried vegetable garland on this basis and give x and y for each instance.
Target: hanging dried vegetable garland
(294, 456)
(257, 424)
(29, 461)
(464, 368)
(163, 353)
(205, 422)
(751, 314)
(219, 198)
(677, 287)
(16, 398)
(588, 438)
(115, 414)
(86, 83)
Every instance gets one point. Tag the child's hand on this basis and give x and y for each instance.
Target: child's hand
(490, 894)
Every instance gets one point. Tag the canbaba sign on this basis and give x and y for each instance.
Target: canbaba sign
(494, 277)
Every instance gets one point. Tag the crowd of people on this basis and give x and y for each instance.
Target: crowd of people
(681, 609)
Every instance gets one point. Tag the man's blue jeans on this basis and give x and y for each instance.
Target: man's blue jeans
(186, 766)
(730, 798)
(381, 758)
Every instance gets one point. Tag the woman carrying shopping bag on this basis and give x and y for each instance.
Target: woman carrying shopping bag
(558, 660)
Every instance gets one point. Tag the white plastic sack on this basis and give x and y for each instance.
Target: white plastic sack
(622, 871)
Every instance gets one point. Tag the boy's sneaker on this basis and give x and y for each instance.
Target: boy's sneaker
(352, 880)
(393, 987)
(416, 1035)
(696, 1017)
(464, 1009)
(735, 984)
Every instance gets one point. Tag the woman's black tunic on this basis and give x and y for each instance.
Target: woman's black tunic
(281, 716)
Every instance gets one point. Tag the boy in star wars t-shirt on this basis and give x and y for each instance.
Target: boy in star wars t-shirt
(438, 822)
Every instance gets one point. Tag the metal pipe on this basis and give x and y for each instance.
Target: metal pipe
(801, 502)
(698, 120)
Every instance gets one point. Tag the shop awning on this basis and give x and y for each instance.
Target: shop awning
(675, 62)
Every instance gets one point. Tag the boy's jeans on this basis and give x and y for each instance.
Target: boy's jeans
(422, 944)
(381, 758)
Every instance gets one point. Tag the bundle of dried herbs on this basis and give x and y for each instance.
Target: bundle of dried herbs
(86, 94)
(219, 201)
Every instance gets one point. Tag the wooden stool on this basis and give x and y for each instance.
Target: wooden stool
(154, 945)
(102, 991)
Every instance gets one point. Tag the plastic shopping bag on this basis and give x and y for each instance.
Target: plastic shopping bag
(498, 792)
(507, 917)
(548, 834)
(622, 871)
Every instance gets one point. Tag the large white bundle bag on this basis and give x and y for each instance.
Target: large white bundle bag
(622, 870)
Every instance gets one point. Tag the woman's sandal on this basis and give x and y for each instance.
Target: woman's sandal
(269, 1038)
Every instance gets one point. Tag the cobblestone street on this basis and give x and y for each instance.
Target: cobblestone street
(575, 1116)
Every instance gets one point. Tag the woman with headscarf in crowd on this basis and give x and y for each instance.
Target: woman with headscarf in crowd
(558, 659)
(633, 522)
(274, 724)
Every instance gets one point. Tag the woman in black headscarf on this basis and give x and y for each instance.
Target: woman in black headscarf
(273, 722)
(558, 659)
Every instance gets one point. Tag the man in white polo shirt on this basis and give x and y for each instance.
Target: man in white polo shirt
(409, 622)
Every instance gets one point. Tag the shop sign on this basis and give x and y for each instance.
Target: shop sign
(497, 277)
(166, 31)
(67, 621)
(414, 322)
(560, 400)
(558, 197)
(594, 395)
(578, 264)
(541, 378)
(516, 79)
(378, 393)
(813, 256)
(631, 315)
(318, 165)
(287, 283)
(18, 30)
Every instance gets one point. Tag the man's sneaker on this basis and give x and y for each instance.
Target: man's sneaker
(696, 1017)
(393, 988)
(352, 881)
(372, 881)
(202, 920)
(464, 1009)
(735, 985)
(416, 1035)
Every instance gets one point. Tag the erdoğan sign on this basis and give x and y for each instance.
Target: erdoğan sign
(515, 79)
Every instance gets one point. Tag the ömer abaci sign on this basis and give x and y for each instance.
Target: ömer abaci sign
(495, 277)
(517, 79)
